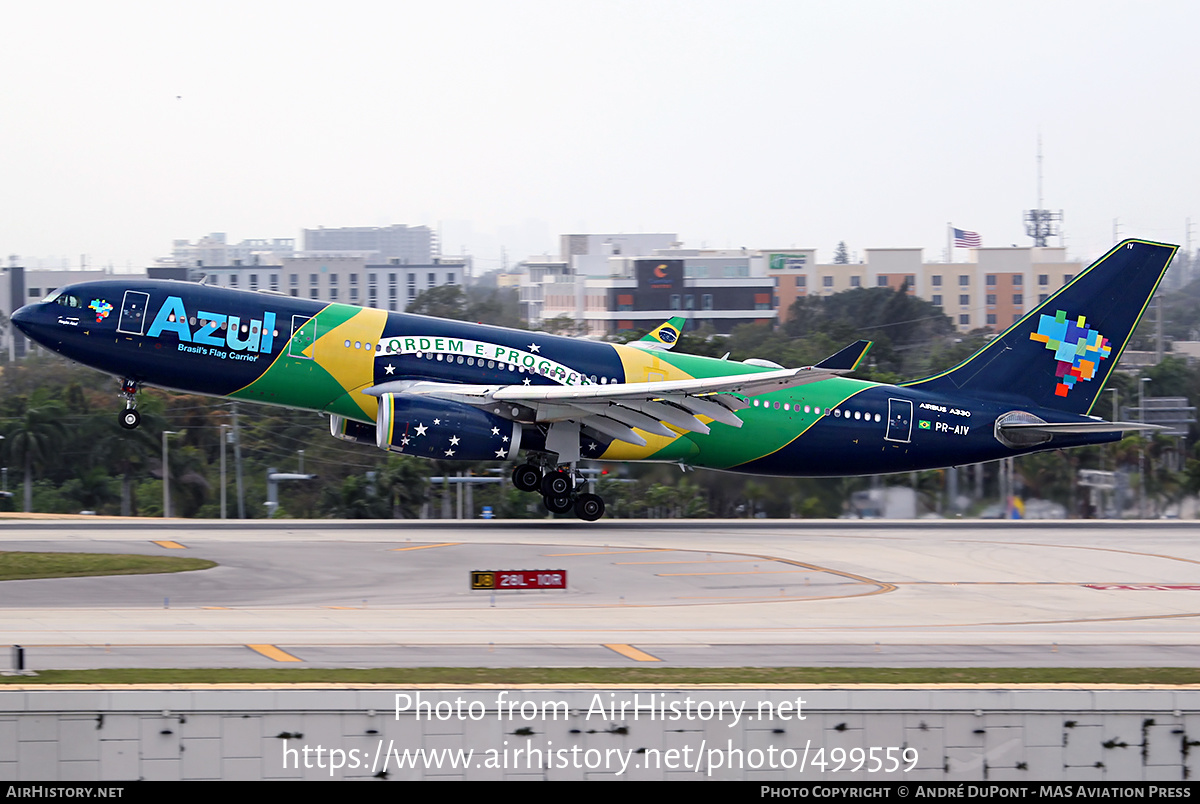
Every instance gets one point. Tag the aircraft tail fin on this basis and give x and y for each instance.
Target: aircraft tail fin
(1060, 354)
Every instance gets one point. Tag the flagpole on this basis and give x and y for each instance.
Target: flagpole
(949, 242)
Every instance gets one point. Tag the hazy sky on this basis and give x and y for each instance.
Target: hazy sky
(125, 125)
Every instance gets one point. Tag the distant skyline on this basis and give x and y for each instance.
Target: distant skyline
(763, 124)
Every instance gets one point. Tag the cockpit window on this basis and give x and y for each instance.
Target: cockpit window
(54, 294)
(67, 300)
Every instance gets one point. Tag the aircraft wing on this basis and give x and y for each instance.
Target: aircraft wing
(616, 409)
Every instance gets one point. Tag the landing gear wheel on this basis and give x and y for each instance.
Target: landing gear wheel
(558, 505)
(557, 484)
(130, 419)
(527, 477)
(589, 507)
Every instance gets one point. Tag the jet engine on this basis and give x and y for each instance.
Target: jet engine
(444, 430)
(345, 429)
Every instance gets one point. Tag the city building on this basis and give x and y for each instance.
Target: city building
(996, 287)
(214, 250)
(580, 256)
(713, 288)
(415, 245)
(343, 277)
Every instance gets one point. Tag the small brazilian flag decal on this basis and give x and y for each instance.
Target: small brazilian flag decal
(924, 425)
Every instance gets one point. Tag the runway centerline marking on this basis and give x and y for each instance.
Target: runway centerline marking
(630, 652)
(425, 546)
(170, 545)
(707, 561)
(272, 652)
(612, 552)
(754, 572)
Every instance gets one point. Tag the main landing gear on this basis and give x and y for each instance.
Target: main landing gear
(130, 418)
(558, 488)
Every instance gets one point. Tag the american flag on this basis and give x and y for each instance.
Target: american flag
(965, 239)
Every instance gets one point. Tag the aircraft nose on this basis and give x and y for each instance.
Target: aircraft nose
(23, 319)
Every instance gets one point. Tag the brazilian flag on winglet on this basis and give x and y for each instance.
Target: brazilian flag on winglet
(923, 424)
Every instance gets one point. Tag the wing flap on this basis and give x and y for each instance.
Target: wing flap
(669, 413)
(613, 429)
(626, 416)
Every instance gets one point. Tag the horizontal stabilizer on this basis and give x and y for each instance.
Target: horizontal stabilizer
(1077, 428)
(848, 358)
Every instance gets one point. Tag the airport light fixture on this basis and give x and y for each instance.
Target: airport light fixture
(166, 472)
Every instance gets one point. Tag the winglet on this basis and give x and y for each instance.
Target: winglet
(664, 336)
(847, 359)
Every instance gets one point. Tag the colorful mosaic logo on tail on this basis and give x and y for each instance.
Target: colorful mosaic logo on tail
(1077, 347)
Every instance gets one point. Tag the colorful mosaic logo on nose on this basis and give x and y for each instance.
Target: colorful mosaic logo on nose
(102, 309)
(1077, 347)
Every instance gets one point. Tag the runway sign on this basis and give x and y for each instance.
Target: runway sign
(518, 579)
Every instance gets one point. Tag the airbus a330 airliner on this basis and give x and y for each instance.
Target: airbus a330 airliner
(451, 390)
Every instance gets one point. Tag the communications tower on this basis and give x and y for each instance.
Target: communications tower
(1042, 224)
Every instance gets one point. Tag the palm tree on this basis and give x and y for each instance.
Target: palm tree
(404, 483)
(127, 452)
(91, 490)
(35, 437)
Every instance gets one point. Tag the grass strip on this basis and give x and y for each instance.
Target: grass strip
(26, 566)
(603, 676)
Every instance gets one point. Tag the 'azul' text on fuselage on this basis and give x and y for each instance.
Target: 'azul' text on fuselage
(214, 329)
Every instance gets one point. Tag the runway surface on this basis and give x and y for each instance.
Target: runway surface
(661, 593)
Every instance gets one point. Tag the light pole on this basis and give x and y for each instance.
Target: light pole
(225, 437)
(166, 470)
(1142, 449)
(1115, 497)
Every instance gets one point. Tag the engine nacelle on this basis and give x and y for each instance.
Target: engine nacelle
(443, 430)
(345, 429)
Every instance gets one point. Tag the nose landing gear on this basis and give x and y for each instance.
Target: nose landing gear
(130, 418)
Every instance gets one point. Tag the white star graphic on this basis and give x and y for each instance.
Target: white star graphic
(421, 428)
(389, 368)
(591, 446)
(500, 453)
(525, 381)
(506, 439)
(437, 421)
(533, 347)
(449, 453)
(495, 431)
(404, 441)
(454, 441)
